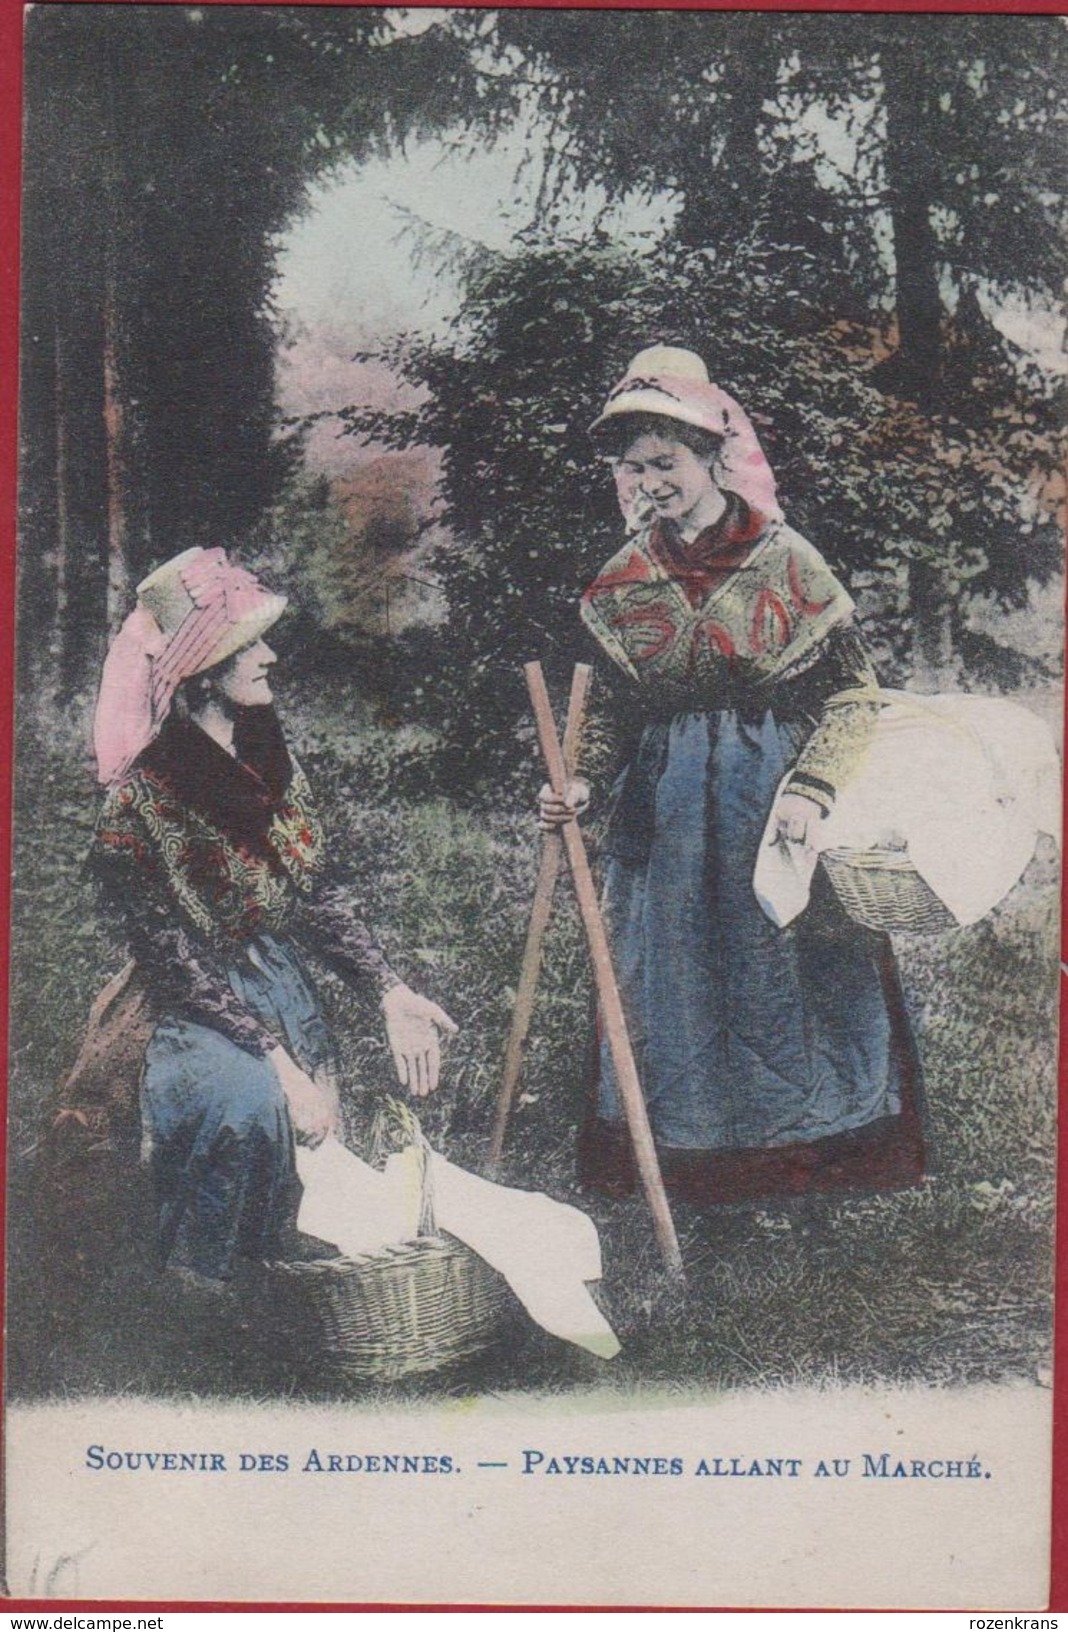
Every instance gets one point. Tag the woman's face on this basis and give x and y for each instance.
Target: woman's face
(676, 482)
(245, 680)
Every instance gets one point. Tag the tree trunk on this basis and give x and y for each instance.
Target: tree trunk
(118, 590)
(932, 635)
(721, 176)
(915, 370)
(39, 406)
(81, 489)
(63, 499)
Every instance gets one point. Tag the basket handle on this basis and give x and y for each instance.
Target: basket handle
(427, 1223)
(405, 1123)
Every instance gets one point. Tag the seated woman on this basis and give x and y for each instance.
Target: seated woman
(209, 848)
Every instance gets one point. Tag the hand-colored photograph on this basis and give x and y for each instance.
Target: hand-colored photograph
(537, 805)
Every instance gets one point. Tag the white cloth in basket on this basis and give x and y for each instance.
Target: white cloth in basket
(965, 783)
(544, 1249)
(351, 1205)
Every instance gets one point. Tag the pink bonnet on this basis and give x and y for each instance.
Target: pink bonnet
(193, 612)
(673, 383)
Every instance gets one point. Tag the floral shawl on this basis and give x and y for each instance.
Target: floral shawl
(767, 603)
(227, 841)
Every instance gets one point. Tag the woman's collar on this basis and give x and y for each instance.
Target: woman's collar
(238, 793)
(739, 525)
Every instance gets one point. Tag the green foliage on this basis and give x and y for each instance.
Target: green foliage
(509, 393)
(167, 151)
(953, 129)
(705, 108)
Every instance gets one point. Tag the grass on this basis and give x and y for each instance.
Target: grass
(947, 1283)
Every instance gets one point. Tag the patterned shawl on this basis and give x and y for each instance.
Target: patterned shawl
(766, 603)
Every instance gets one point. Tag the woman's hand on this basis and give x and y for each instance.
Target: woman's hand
(554, 811)
(313, 1106)
(794, 817)
(413, 1025)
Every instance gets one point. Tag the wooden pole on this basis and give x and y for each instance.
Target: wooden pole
(552, 854)
(607, 987)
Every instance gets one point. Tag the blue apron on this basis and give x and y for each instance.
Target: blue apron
(216, 1121)
(746, 1036)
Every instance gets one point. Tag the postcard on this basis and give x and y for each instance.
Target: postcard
(537, 807)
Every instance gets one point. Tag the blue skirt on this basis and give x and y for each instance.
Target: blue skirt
(216, 1122)
(747, 1037)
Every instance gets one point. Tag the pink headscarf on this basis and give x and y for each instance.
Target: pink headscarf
(673, 384)
(193, 612)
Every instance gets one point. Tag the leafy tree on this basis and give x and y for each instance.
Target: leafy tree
(167, 150)
(877, 485)
(169, 147)
(956, 125)
(692, 104)
(974, 166)
(721, 110)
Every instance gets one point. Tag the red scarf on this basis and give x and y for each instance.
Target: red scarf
(702, 563)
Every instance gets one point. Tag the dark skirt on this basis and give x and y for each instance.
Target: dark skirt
(774, 1061)
(215, 1119)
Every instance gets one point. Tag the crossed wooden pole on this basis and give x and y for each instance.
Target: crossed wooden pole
(560, 763)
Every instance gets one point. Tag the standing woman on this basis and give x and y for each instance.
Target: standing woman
(209, 849)
(774, 1061)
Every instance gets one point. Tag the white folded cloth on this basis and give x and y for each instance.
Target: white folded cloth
(544, 1249)
(966, 784)
(351, 1205)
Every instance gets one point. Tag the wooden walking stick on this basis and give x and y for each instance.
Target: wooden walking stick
(552, 853)
(615, 1023)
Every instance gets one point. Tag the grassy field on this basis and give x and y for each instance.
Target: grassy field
(946, 1283)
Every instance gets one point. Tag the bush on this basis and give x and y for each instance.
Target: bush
(881, 489)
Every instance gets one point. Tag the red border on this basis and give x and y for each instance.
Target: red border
(11, 13)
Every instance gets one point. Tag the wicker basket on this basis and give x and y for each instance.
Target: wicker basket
(882, 890)
(414, 1307)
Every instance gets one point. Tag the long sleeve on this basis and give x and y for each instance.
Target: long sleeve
(328, 922)
(612, 725)
(180, 971)
(844, 692)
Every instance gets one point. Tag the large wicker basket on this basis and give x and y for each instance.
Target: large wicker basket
(882, 890)
(414, 1307)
